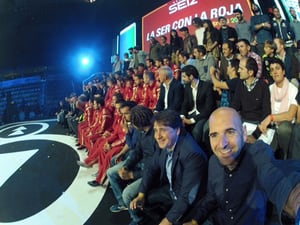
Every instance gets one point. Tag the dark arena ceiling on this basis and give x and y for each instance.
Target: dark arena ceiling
(45, 32)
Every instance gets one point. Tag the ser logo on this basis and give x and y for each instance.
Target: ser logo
(179, 5)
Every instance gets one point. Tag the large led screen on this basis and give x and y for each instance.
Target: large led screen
(127, 39)
(295, 4)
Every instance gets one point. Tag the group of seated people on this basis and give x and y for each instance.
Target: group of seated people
(134, 125)
(197, 140)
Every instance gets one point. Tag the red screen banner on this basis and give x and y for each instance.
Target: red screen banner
(179, 13)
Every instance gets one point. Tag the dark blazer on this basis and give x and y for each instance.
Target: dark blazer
(291, 66)
(175, 96)
(189, 174)
(205, 101)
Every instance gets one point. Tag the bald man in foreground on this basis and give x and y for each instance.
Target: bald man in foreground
(242, 177)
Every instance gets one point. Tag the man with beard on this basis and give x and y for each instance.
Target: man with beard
(198, 103)
(261, 28)
(243, 27)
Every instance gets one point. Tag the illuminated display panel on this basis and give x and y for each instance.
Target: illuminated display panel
(127, 39)
(291, 3)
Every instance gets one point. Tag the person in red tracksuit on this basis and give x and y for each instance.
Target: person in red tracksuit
(102, 122)
(150, 90)
(108, 148)
(137, 88)
(115, 144)
(88, 121)
(128, 89)
(101, 140)
(113, 88)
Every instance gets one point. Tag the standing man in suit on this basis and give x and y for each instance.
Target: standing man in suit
(171, 91)
(198, 102)
(180, 165)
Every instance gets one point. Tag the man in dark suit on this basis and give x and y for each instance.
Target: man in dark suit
(198, 104)
(180, 165)
(171, 91)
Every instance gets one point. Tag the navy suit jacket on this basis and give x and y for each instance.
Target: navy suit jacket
(175, 96)
(205, 101)
(257, 178)
(189, 174)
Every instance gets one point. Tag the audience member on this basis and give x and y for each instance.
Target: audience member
(244, 49)
(78, 116)
(203, 62)
(176, 44)
(253, 166)
(184, 59)
(87, 122)
(90, 91)
(189, 40)
(252, 95)
(270, 54)
(171, 91)
(284, 109)
(176, 174)
(61, 112)
(151, 89)
(211, 39)
(198, 103)
(137, 94)
(118, 161)
(292, 67)
(102, 122)
(295, 23)
(138, 158)
(126, 63)
(73, 111)
(128, 89)
(117, 64)
(175, 68)
(243, 27)
(109, 147)
(154, 50)
(283, 30)
(227, 33)
(199, 31)
(112, 89)
(228, 50)
(228, 86)
(139, 56)
(165, 48)
(261, 28)
(150, 63)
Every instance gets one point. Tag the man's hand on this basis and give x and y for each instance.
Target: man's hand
(165, 221)
(107, 147)
(251, 139)
(138, 202)
(192, 222)
(293, 203)
(106, 134)
(187, 121)
(263, 126)
(267, 25)
(118, 157)
(125, 174)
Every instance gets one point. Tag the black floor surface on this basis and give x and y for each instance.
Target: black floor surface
(37, 187)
